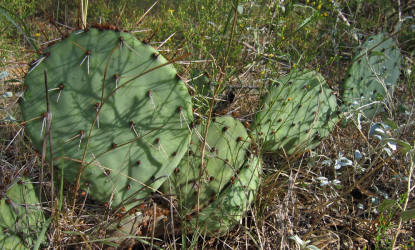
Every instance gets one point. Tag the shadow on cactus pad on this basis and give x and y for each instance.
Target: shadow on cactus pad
(120, 113)
(21, 216)
(298, 111)
(373, 75)
(213, 198)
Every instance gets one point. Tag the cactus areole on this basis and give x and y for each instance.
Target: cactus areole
(119, 112)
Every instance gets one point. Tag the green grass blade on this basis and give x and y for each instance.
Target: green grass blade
(41, 236)
(61, 185)
(19, 24)
(306, 21)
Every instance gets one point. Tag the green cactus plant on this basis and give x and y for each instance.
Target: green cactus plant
(21, 217)
(298, 107)
(372, 76)
(224, 186)
(231, 204)
(119, 112)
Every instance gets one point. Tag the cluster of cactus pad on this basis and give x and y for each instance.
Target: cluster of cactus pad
(219, 190)
(122, 124)
(21, 216)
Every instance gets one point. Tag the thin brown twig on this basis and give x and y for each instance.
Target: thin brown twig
(405, 205)
(81, 233)
(52, 21)
(147, 40)
(212, 103)
(49, 135)
(172, 215)
(145, 13)
(79, 14)
(376, 45)
(119, 17)
(45, 138)
(154, 224)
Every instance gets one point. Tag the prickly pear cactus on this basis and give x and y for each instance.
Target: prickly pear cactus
(224, 186)
(299, 108)
(231, 204)
(119, 112)
(372, 76)
(21, 216)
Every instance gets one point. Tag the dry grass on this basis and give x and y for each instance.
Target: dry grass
(291, 201)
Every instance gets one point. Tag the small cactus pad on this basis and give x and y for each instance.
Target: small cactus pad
(21, 217)
(226, 148)
(298, 107)
(231, 204)
(373, 75)
(119, 111)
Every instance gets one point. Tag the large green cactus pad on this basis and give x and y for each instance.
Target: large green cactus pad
(141, 131)
(373, 74)
(207, 188)
(298, 107)
(21, 217)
